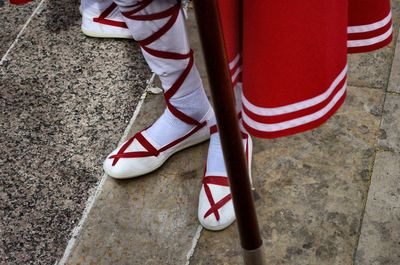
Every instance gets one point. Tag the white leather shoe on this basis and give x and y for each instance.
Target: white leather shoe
(103, 19)
(216, 210)
(140, 155)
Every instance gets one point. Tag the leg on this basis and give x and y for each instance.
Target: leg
(158, 26)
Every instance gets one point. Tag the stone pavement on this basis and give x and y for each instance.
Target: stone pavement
(65, 101)
(328, 196)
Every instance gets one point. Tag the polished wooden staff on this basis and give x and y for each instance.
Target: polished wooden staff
(224, 105)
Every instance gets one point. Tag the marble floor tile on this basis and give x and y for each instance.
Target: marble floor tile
(390, 133)
(380, 235)
(311, 190)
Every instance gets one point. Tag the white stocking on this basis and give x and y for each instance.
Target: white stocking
(168, 54)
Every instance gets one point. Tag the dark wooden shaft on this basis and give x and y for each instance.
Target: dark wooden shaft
(224, 106)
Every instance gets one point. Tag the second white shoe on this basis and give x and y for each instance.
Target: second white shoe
(103, 19)
(215, 211)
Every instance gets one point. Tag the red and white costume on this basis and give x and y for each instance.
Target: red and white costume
(289, 60)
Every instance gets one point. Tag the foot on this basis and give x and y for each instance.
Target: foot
(102, 19)
(150, 148)
(216, 210)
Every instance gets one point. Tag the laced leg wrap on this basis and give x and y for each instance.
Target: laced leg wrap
(135, 13)
(171, 14)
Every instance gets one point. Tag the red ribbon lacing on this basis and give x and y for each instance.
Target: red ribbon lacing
(102, 19)
(172, 13)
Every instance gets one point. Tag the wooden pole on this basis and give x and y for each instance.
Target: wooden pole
(224, 105)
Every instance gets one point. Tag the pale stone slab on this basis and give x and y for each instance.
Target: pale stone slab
(373, 69)
(312, 189)
(394, 82)
(380, 234)
(150, 219)
(390, 133)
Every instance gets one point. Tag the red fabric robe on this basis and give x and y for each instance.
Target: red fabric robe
(294, 57)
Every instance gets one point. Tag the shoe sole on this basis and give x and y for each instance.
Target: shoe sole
(103, 35)
(219, 227)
